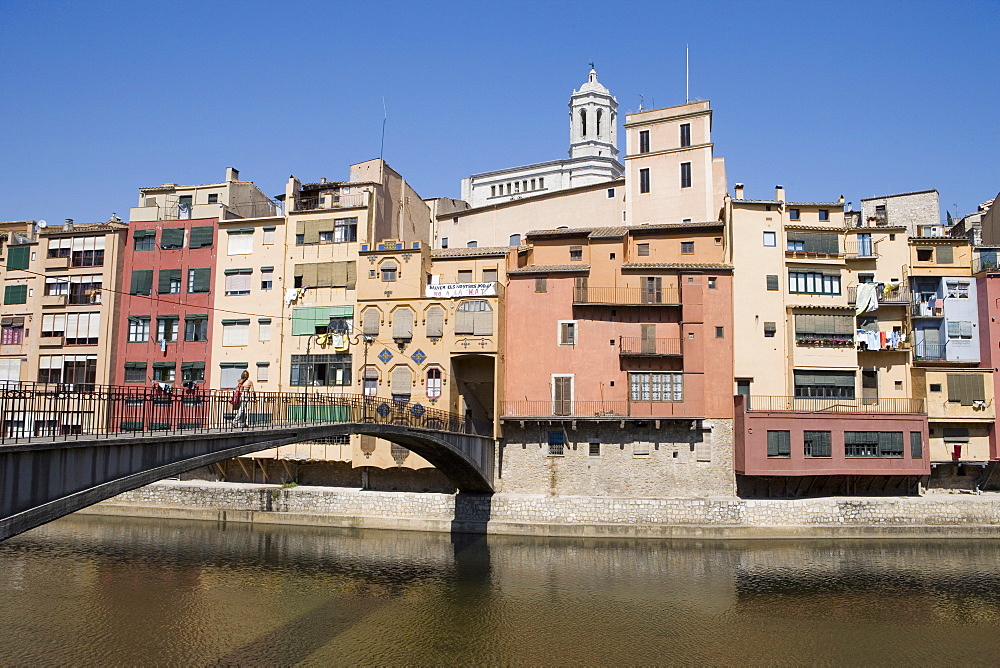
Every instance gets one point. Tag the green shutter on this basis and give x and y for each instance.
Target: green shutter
(142, 282)
(200, 280)
(305, 320)
(230, 272)
(779, 444)
(201, 237)
(167, 275)
(185, 366)
(172, 237)
(196, 316)
(916, 445)
(18, 257)
(15, 294)
(135, 365)
(164, 365)
(142, 234)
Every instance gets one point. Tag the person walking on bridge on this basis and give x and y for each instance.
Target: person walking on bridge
(242, 395)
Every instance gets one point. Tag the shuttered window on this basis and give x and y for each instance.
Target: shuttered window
(402, 324)
(490, 275)
(238, 281)
(402, 381)
(370, 322)
(562, 395)
(135, 372)
(916, 445)
(201, 237)
(235, 332)
(464, 275)
(816, 443)
(779, 443)
(945, 254)
(966, 388)
(172, 238)
(231, 372)
(142, 282)
(264, 329)
(240, 242)
(541, 284)
(959, 329)
(435, 321)
(824, 326)
(199, 280)
(263, 371)
(772, 281)
(18, 257)
(15, 294)
(475, 317)
(648, 339)
(567, 333)
(169, 282)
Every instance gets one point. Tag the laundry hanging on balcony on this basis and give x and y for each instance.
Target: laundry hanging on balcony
(867, 298)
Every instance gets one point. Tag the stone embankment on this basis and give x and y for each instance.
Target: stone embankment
(945, 515)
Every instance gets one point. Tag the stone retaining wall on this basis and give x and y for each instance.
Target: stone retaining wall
(542, 515)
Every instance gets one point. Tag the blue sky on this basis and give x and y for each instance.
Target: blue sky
(826, 98)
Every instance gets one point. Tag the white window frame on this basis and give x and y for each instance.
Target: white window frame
(576, 332)
(239, 243)
(771, 237)
(572, 389)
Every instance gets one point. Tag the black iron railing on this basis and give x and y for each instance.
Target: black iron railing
(45, 411)
(833, 404)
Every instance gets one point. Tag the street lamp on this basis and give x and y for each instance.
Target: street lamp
(367, 339)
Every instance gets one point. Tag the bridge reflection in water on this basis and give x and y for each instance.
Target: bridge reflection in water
(67, 447)
(181, 592)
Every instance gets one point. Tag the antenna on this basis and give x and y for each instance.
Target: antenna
(385, 117)
(42, 224)
(641, 99)
(687, 74)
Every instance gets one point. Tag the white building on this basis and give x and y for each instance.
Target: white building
(593, 154)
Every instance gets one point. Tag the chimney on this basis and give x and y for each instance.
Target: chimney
(779, 193)
(323, 180)
(232, 174)
(840, 201)
(739, 191)
(68, 225)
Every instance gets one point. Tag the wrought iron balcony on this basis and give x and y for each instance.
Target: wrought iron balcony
(860, 250)
(899, 295)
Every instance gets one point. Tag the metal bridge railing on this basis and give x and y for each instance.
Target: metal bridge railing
(43, 411)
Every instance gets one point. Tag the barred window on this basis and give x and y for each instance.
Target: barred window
(656, 386)
(873, 444)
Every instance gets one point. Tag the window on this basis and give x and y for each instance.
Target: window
(711, 282)
(813, 283)
(532, 184)
(935, 387)
(541, 284)
(192, 372)
(370, 320)
(685, 134)
(687, 248)
(369, 375)
(235, 332)
(433, 383)
(18, 257)
(135, 372)
(201, 237)
(816, 443)
(266, 278)
(770, 239)
(656, 386)
(15, 294)
(434, 317)
(138, 328)
(611, 193)
(12, 331)
(238, 281)
(642, 250)
(164, 372)
(345, 230)
(594, 449)
(567, 333)
(873, 444)
(472, 244)
(474, 317)
(199, 280)
(269, 235)
(402, 324)
(144, 240)
(89, 251)
(824, 215)
(53, 325)
(644, 180)
(820, 327)
(142, 282)
(819, 243)
(793, 214)
(169, 282)
(329, 274)
(444, 242)
(401, 383)
(557, 443)
(541, 182)
(326, 237)
(959, 329)
(779, 443)
(916, 445)
(231, 372)
(213, 198)
(263, 329)
(493, 191)
(957, 289)
(685, 175)
(966, 388)
(388, 271)
(464, 275)
(576, 253)
(925, 254)
(720, 332)
(172, 238)
(489, 275)
(196, 328)
(240, 242)
(515, 240)
(772, 282)
(263, 371)
(643, 141)
(839, 384)
(166, 328)
(583, 122)
(945, 254)
(57, 248)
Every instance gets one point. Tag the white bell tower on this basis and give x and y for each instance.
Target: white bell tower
(593, 120)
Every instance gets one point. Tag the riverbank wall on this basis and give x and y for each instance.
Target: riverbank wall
(939, 515)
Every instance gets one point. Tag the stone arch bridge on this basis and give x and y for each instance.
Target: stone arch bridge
(63, 448)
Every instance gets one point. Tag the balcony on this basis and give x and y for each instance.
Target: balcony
(921, 309)
(51, 342)
(930, 352)
(331, 201)
(898, 295)
(832, 405)
(635, 346)
(668, 296)
(56, 263)
(606, 410)
(54, 300)
(860, 250)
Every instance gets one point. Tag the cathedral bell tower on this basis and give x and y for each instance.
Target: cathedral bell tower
(593, 120)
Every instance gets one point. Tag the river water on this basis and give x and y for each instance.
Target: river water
(118, 591)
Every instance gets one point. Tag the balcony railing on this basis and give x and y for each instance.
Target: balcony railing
(985, 262)
(860, 250)
(921, 309)
(330, 201)
(668, 296)
(898, 295)
(566, 408)
(832, 405)
(930, 352)
(639, 347)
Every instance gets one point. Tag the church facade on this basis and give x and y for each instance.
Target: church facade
(593, 154)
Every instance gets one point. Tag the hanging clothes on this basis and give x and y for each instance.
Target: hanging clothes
(867, 298)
